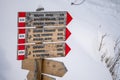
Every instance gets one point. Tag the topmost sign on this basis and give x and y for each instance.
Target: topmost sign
(38, 19)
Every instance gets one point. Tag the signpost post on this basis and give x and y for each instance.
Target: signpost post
(43, 35)
(30, 76)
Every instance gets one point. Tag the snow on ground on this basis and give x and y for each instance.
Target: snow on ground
(83, 61)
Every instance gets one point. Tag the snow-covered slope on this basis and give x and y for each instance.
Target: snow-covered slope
(83, 61)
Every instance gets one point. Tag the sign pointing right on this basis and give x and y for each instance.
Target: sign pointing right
(67, 49)
(43, 35)
(68, 33)
(69, 18)
(51, 67)
(31, 75)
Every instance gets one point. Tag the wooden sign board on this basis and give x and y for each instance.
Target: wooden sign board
(47, 50)
(31, 19)
(44, 77)
(41, 27)
(51, 67)
(36, 35)
(31, 76)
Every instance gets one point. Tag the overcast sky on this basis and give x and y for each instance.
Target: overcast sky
(83, 61)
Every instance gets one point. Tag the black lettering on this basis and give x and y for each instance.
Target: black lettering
(37, 30)
(37, 39)
(49, 14)
(42, 55)
(49, 23)
(61, 54)
(38, 51)
(59, 45)
(61, 22)
(37, 47)
(46, 34)
(61, 14)
(50, 30)
(59, 49)
(60, 34)
(60, 29)
(38, 23)
(48, 38)
(61, 18)
(38, 15)
(33, 55)
(60, 38)
(36, 35)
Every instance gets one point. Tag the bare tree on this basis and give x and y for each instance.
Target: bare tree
(116, 43)
(116, 59)
(103, 56)
(102, 40)
(112, 63)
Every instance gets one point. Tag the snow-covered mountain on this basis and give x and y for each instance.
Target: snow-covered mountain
(91, 20)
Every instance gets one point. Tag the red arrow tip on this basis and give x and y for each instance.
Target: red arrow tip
(68, 33)
(69, 18)
(67, 49)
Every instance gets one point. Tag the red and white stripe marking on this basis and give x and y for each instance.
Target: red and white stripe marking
(21, 36)
(21, 19)
(21, 52)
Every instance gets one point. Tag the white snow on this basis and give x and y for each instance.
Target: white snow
(83, 61)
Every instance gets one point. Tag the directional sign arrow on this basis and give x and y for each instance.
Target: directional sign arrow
(67, 49)
(68, 33)
(31, 76)
(54, 68)
(51, 67)
(54, 18)
(48, 27)
(35, 35)
(68, 19)
(46, 50)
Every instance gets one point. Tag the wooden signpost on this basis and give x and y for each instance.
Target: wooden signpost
(51, 67)
(42, 35)
(38, 19)
(46, 50)
(37, 35)
(31, 74)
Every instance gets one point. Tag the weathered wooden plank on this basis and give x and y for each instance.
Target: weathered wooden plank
(51, 67)
(31, 76)
(44, 34)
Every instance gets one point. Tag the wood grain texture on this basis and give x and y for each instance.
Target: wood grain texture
(49, 50)
(51, 67)
(30, 76)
